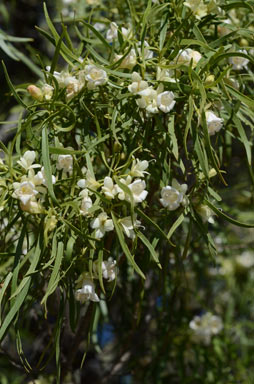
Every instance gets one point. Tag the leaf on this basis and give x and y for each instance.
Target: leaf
(150, 247)
(240, 96)
(176, 224)
(244, 139)
(226, 217)
(124, 246)
(46, 163)
(55, 276)
(171, 130)
(15, 94)
(3, 289)
(156, 226)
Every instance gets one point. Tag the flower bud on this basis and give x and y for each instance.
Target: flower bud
(209, 80)
(35, 92)
(117, 146)
(243, 43)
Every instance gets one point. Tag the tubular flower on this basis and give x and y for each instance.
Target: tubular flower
(129, 225)
(173, 197)
(95, 76)
(109, 189)
(87, 291)
(102, 224)
(214, 123)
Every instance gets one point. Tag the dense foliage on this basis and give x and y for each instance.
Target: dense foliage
(126, 197)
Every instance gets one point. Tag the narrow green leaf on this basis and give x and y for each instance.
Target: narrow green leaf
(150, 247)
(124, 246)
(46, 163)
(226, 217)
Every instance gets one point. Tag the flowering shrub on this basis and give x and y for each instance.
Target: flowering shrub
(113, 190)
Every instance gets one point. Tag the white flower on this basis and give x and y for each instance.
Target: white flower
(165, 101)
(148, 100)
(95, 76)
(173, 197)
(204, 327)
(148, 54)
(32, 206)
(138, 168)
(108, 269)
(102, 225)
(87, 292)
(138, 191)
(129, 61)
(223, 29)
(65, 162)
(137, 84)
(73, 86)
(109, 189)
(24, 191)
(99, 27)
(239, 62)
(112, 32)
(89, 182)
(186, 55)
(165, 75)
(206, 213)
(128, 226)
(86, 202)
(245, 260)
(214, 123)
(198, 7)
(40, 178)
(47, 91)
(26, 161)
(121, 193)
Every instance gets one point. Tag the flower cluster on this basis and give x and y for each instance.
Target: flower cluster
(32, 187)
(205, 327)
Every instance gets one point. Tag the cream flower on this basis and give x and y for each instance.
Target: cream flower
(24, 191)
(137, 84)
(108, 269)
(32, 206)
(129, 226)
(65, 162)
(89, 182)
(214, 123)
(121, 193)
(26, 161)
(204, 327)
(148, 54)
(198, 7)
(245, 260)
(112, 32)
(109, 189)
(239, 62)
(165, 75)
(86, 202)
(206, 213)
(47, 91)
(148, 100)
(102, 224)
(138, 191)
(40, 178)
(95, 76)
(165, 101)
(173, 197)
(186, 55)
(87, 291)
(138, 168)
(129, 61)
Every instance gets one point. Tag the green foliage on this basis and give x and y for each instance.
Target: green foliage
(118, 193)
